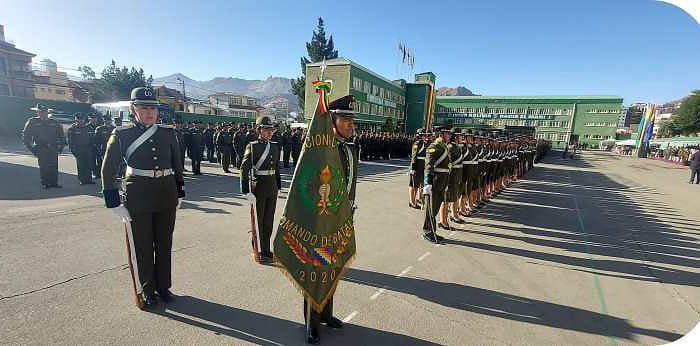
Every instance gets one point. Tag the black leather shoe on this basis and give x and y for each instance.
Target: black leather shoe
(166, 296)
(149, 301)
(56, 186)
(334, 323)
(429, 237)
(439, 237)
(445, 227)
(312, 337)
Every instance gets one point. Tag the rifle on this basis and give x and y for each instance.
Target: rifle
(133, 265)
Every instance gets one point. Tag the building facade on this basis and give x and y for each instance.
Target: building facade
(51, 84)
(15, 70)
(560, 119)
(277, 108)
(409, 106)
(380, 102)
(231, 104)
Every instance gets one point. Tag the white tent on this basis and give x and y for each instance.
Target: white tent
(632, 142)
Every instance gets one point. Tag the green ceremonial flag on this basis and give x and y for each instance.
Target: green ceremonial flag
(315, 240)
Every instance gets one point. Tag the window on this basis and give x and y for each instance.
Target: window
(251, 102)
(367, 87)
(565, 123)
(356, 83)
(3, 67)
(540, 135)
(552, 136)
(60, 92)
(562, 136)
(381, 92)
(4, 90)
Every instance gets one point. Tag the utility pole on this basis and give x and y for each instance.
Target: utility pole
(184, 96)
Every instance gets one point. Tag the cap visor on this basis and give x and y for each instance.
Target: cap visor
(144, 103)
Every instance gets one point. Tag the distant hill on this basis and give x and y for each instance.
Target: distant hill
(458, 91)
(264, 90)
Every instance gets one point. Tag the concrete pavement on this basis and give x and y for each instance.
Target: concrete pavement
(601, 250)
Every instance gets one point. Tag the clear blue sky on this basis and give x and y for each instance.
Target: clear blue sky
(641, 50)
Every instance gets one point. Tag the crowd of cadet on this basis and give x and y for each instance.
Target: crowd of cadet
(454, 173)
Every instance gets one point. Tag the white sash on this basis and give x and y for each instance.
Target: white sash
(142, 138)
(262, 157)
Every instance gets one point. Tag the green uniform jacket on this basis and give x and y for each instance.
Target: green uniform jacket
(453, 189)
(143, 194)
(263, 185)
(418, 155)
(43, 134)
(437, 173)
(80, 139)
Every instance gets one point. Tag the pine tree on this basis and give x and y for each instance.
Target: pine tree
(318, 49)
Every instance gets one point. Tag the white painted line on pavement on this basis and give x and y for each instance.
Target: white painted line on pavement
(408, 269)
(423, 256)
(350, 317)
(377, 294)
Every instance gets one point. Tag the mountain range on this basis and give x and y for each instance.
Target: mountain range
(264, 90)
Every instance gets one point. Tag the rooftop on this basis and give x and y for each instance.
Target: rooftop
(345, 61)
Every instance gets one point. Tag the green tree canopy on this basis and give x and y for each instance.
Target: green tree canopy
(115, 83)
(687, 116)
(319, 48)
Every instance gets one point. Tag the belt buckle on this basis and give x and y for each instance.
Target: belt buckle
(157, 173)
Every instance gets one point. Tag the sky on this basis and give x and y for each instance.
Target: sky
(641, 50)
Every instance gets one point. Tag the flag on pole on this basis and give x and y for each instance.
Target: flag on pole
(315, 240)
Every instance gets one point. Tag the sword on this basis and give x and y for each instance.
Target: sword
(133, 265)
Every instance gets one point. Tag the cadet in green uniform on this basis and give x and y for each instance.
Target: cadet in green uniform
(102, 134)
(195, 147)
(344, 128)
(469, 166)
(80, 140)
(153, 185)
(44, 138)
(437, 176)
(417, 172)
(224, 141)
(261, 180)
(454, 189)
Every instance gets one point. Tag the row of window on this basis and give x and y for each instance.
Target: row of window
(53, 90)
(370, 89)
(600, 124)
(551, 136)
(371, 108)
(597, 137)
(603, 111)
(497, 110)
(516, 122)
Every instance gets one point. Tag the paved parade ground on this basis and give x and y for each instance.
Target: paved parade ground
(598, 250)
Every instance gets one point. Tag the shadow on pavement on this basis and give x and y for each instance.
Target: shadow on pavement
(20, 182)
(262, 329)
(507, 306)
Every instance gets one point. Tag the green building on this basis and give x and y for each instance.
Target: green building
(406, 106)
(379, 100)
(560, 119)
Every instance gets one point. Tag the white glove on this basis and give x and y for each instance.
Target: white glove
(122, 213)
(179, 203)
(250, 197)
(412, 172)
(428, 189)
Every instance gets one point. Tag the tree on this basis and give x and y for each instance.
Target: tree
(669, 129)
(687, 116)
(115, 83)
(86, 72)
(318, 49)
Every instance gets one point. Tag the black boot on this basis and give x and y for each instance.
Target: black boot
(312, 336)
(333, 323)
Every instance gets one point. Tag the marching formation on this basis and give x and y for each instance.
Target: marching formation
(457, 172)
(453, 173)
